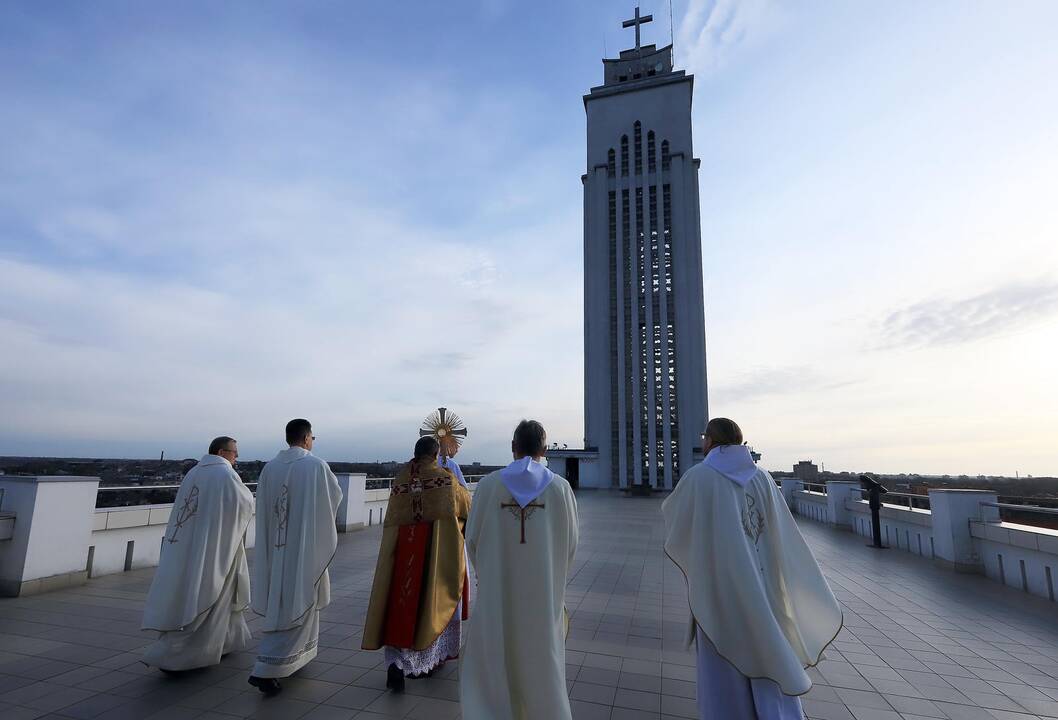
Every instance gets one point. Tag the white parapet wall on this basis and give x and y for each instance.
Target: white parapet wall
(961, 530)
(48, 544)
(1019, 556)
(53, 536)
(811, 505)
(129, 538)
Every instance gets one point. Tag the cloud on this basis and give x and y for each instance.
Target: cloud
(945, 321)
(764, 382)
(436, 361)
(277, 241)
(711, 31)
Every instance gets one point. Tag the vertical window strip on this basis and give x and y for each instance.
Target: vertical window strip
(629, 288)
(615, 424)
(670, 329)
(637, 135)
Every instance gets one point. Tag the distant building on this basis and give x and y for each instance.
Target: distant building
(806, 471)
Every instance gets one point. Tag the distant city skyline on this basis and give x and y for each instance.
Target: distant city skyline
(217, 217)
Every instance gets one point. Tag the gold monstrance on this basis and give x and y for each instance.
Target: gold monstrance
(447, 427)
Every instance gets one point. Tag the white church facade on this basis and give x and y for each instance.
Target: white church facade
(645, 392)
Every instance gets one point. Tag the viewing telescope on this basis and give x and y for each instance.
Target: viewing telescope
(875, 490)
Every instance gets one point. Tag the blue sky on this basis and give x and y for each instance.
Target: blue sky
(218, 216)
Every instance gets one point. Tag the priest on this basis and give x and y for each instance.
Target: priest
(202, 585)
(421, 589)
(448, 462)
(761, 610)
(297, 499)
(521, 537)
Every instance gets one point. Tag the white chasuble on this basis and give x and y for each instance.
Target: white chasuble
(202, 585)
(297, 499)
(754, 587)
(521, 544)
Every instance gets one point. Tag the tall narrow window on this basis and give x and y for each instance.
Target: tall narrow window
(642, 370)
(670, 329)
(624, 156)
(611, 164)
(652, 153)
(665, 161)
(628, 289)
(615, 422)
(638, 138)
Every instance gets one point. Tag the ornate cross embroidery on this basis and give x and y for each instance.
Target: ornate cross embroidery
(416, 487)
(525, 512)
(188, 510)
(281, 513)
(752, 519)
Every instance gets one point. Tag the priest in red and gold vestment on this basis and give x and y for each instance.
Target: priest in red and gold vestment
(421, 589)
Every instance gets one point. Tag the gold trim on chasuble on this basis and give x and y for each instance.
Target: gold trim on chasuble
(431, 494)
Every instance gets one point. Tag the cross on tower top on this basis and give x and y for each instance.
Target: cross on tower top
(636, 22)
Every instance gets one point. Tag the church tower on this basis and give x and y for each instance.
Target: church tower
(644, 311)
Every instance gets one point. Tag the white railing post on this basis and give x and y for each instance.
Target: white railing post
(838, 493)
(952, 512)
(48, 548)
(790, 487)
(351, 512)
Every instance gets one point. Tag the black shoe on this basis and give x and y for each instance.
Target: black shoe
(269, 686)
(395, 679)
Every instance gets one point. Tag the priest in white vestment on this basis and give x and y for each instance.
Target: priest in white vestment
(521, 536)
(297, 499)
(449, 463)
(761, 610)
(202, 585)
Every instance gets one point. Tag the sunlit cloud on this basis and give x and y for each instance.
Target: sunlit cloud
(954, 321)
(762, 383)
(711, 31)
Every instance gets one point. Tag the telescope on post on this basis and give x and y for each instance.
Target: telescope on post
(875, 490)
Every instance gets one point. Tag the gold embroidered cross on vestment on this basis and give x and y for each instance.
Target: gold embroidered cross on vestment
(188, 510)
(281, 513)
(525, 512)
(416, 487)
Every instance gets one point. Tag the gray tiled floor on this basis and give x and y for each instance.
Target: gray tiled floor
(919, 642)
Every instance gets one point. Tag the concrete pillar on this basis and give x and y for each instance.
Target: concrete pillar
(52, 531)
(952, 512)
(838, 492)
(790, 486)
(351, 512)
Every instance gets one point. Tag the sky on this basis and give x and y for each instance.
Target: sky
(215, 217)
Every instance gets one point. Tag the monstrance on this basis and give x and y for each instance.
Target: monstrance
(447, 427)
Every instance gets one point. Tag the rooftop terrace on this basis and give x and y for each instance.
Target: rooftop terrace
(920, 641)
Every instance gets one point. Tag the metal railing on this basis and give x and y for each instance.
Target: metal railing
(166, 494)
(159, 495)
(820, 488)
(1022, 508)
(911, 498)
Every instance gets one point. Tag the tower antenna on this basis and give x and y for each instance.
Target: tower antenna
(672, 35)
